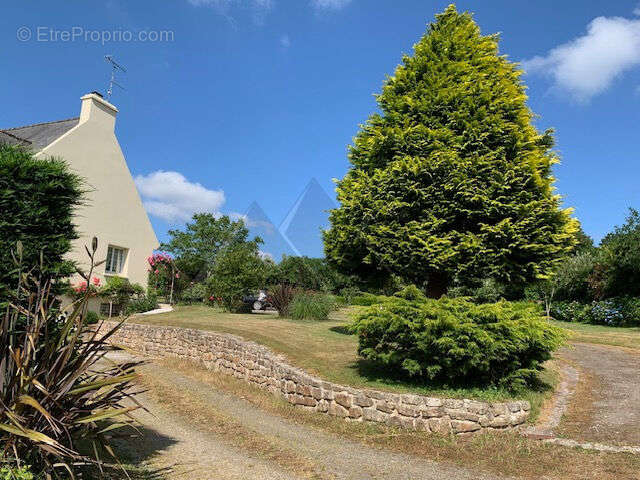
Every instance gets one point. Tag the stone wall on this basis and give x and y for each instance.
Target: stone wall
(261, 367)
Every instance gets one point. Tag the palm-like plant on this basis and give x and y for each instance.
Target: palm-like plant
(57, 390)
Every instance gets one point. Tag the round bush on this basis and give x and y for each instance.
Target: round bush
(455, 342)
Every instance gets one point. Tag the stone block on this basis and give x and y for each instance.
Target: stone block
(355, 412)
(384, 406)
(344, 399)
(460, 426)
(362, 401)
(440, 425)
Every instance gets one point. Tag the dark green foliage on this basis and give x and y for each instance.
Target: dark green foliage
(451, 179)
(56, 392)
(620, 257)
(584, 243)
(348, 294)
(613, 312)
(573, 278)
(455, 342)
(308, 305)
(92, 318)
(309, 274)
(37, 203)
(195, 293)
(141, 304)
(196, 248)
(120, 292)
(485, 291)
(237, 272)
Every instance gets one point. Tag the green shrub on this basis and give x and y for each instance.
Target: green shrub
(367, 299)
(121, 292)
(572, 279)
(311, 306)
(92, 317)
(196, 293)
(238, 271)
(613, 312)
(141, 304)
(10, 473)
(38, 198)
(456, 342)
(348, 294)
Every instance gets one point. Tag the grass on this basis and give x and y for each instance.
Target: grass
(505, 454)
(326, 350)
(602, 335)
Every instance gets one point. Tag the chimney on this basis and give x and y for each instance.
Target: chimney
(97, 110)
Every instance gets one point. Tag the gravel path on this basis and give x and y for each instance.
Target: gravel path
(209, 456)
(607, 408)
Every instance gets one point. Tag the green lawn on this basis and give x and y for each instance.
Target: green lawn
(321, 348)
(616, 336)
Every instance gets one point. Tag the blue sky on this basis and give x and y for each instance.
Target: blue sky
(248, 100)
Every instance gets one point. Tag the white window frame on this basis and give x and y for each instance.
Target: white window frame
(116, 260)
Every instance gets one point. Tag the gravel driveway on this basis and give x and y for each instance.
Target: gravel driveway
(197, 454)
(606, 405)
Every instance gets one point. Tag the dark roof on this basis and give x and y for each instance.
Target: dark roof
(12, 139)
(39, 135)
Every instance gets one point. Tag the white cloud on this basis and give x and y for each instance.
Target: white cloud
(589, 64)
(636, 11)
(259, 8)
(285, 41)
(329, 4)
(171, 197)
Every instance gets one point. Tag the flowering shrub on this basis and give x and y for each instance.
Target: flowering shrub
(163, 274)
(83, 288)
(614, 312)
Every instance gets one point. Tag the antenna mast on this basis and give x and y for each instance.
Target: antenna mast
(115, 67)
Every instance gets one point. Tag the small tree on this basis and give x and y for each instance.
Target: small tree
(38, 198)
(195, 249)
(238, 271)
(620, 258)
(451, 179)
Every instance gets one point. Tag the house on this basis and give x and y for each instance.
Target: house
(113, 211)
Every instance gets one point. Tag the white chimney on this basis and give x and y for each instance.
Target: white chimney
(97, 109)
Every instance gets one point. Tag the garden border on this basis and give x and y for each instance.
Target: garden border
(261, 367)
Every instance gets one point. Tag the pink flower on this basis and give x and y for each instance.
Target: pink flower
(157, 271)
(177, 275)
(96, 281)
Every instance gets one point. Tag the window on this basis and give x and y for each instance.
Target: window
(115, 260)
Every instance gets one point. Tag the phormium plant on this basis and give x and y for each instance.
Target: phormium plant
(59, 396)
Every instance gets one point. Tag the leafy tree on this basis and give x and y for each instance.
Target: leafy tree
(620, 257)
(238, 271)
(38, 198)
(584, 243)
(196, 248)
(308, 273)
(451, 179)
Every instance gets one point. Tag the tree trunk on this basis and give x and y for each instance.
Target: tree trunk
(437, 285)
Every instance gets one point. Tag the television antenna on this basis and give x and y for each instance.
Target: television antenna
(115, 68)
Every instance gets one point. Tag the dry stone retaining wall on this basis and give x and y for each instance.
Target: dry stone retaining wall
(259, 366)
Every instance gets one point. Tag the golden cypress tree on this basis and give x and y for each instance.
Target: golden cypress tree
(451, 180)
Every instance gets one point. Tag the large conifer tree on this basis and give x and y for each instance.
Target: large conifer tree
(451, 180)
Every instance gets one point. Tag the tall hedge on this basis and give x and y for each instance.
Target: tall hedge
(37, 203)
(451, 180)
